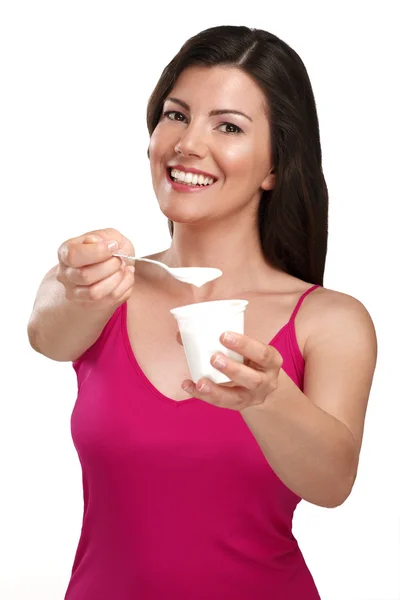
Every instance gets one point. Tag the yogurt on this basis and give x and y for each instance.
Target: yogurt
(197, 276)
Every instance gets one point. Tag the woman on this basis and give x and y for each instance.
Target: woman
(190, 490)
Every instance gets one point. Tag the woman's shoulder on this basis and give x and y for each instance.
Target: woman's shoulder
(331, 314)
(334, 303)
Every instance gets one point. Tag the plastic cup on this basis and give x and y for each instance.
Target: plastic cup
(201, 325)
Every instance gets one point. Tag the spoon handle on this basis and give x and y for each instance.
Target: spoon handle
(126, 256)
(154, 262)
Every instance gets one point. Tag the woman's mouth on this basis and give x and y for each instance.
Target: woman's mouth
(187, 181)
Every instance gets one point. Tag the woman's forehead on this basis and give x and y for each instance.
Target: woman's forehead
(218, 88)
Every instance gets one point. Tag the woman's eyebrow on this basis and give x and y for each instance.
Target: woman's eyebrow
(231, 111)
(213, 113)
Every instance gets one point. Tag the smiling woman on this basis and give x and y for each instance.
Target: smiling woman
(222, 137)
(190, 487)
(257, 72)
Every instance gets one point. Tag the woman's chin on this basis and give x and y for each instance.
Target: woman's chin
(180, 214)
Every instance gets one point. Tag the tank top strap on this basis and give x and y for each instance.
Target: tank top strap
(300, 301)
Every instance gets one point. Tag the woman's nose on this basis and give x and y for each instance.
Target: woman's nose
(191, 144)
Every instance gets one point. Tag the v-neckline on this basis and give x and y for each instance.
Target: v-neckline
(143, 376)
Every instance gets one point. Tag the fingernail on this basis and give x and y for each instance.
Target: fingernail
(131, 269)
(219, 361)
(230, 338)
(112, 246)
(204, 387)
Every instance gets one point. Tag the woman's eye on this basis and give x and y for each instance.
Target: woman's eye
(230, 128)
(174, 115)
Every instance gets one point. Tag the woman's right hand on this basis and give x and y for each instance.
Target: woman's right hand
(90, 274)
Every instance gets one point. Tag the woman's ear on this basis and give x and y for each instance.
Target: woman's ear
(269, 182)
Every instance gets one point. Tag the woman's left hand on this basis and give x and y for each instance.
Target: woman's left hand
(251, 382)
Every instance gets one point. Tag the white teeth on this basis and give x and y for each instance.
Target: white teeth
(191, 178)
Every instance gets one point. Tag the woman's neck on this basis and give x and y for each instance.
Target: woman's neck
(238, 254)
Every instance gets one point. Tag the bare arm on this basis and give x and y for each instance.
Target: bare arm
(77, 297)
(312, 440)
(60, 329)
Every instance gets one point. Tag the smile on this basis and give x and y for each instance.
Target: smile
(188, 181)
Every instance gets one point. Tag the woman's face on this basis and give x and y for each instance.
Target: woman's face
(210, 153)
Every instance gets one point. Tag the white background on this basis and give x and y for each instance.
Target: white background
(75, 78)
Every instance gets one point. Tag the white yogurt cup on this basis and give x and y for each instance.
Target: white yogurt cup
(201, 325)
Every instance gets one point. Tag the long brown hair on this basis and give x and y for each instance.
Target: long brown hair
(292, 217)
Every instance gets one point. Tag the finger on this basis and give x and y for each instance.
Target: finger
(123, 291)
(240, 374)
(215, 394)
(77, 254)
(93, 273)
(125, 246)
(100, 290)
(91, 239)
(97, 235)
(179, 338)
(262, 355)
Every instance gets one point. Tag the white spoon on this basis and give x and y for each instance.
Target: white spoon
(197, 276)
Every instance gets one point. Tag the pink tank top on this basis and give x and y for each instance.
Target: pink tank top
(179, 501)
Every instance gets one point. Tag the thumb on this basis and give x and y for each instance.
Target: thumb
(125, 246)
(91, 239)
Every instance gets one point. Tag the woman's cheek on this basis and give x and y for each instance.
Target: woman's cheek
(238, 158)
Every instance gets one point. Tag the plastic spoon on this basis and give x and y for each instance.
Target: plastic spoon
(197, 276)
